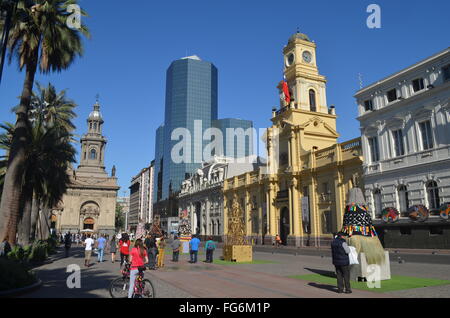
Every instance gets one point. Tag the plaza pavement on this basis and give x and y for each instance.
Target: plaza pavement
(185, 280)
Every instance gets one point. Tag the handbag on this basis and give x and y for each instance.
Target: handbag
(353, 256)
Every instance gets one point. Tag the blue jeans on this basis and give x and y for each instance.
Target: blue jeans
(194, 256)
(133, 275)
(100, 254)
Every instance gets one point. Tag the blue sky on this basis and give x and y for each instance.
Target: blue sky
(134, 42)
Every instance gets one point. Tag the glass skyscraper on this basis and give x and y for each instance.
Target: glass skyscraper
(159, 165)
(191, 95)
(237, 142)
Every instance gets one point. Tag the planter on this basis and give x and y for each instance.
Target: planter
(20, 291)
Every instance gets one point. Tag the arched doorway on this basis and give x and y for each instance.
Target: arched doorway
(88, 224)
(284, 225)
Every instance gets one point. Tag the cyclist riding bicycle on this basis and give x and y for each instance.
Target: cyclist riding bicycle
(138, 257)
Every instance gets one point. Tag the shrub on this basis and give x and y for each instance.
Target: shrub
(38, 252)
(14, 275)
(52, 243)
(19, 254)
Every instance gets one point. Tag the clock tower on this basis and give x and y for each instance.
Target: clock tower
(307, 86)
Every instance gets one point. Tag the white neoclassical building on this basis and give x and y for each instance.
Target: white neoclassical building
(201, 195)
(405, 127)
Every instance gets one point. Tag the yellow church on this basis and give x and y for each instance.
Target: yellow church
(300, 195)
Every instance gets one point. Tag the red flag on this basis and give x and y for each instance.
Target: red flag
(287, 96)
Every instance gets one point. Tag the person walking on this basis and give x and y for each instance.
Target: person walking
(101, 242)
(161, 249)
(124, 248)
(67, 243)
(194, 244)
(210, 246)
(138, 257)
(88, 250)
(5, 248)
(278, 240)
(152, 251)
(341, 261)
(175, 248)
(113, 248)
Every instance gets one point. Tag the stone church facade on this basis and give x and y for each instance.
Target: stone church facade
(90, 201)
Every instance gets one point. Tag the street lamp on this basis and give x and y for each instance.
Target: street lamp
(7, 9)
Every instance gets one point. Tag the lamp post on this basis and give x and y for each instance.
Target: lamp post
(7, 9)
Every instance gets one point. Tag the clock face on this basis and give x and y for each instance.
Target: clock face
(290, 59)
(307, 56)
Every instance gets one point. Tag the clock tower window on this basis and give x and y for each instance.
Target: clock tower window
(312, 100)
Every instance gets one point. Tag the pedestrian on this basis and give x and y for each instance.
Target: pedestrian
(113, 248)
(194, 244)
(124, 248)
(88, 250)
(341, 261)
(175, 248)
(67, 243)
(138, 257)
(5, 248)
(101, 242)
(161, 249)
(278, 240)
(210, 246)
(152, 251)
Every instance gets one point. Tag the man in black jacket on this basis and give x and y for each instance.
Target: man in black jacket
(340, 251)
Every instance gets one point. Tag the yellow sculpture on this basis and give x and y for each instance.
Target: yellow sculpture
(236, 247)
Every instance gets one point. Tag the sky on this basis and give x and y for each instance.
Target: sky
(134, 42)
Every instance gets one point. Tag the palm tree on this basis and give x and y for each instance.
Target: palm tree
(50, 134)
(44, 174)
(42, 40)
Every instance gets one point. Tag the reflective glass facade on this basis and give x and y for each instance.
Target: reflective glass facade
(159, 151)
(191, 94)
(240, 143)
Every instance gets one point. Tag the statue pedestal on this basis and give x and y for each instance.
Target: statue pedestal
(365, 272)
(238, 253)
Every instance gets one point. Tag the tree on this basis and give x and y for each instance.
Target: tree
(49, 154)
(40, 38)
(120, 218)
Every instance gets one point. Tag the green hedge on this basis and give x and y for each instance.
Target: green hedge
(35, 253)
(14, 275)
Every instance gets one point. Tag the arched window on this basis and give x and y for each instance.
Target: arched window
(312, 100)
(95, 126)
(377, 202)
(93, 154)
(433, 195)
(403, 200)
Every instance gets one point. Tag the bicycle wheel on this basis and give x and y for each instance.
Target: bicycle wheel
(148, 291)
(119, 287)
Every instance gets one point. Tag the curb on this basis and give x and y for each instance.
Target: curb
(20, 291)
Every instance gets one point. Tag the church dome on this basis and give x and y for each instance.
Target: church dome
(95, 114)
(300, 36)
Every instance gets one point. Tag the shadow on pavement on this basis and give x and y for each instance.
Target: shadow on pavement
(322, 272)
(323, 286)
(94, 280)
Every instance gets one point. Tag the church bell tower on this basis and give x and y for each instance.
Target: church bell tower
(93, 145)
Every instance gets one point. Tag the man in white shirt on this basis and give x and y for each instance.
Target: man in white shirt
(89, 243)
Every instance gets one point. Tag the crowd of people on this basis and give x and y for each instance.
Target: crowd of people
(154, 245)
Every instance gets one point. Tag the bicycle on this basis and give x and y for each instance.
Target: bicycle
(143, 288)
